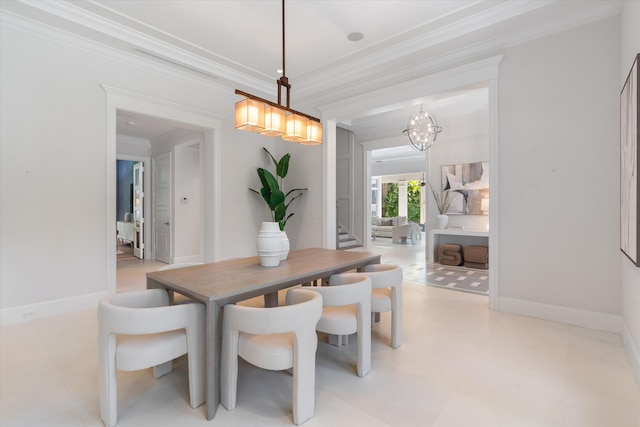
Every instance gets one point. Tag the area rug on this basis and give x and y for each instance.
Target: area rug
(458, 278)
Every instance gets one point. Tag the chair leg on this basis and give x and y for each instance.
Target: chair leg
(108, 381)
(304, 384)
(162, 369)
(396, 317)
(364, 339)
(197, 375)
(338, 340)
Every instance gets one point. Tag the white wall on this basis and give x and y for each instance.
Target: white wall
(53, 113)
(187, 203)
(304, 229)
(464, 139)
(559, 175)
(630, 274)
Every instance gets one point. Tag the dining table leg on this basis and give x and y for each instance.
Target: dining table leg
(213, 353)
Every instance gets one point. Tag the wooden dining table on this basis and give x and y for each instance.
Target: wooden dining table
(226, 282)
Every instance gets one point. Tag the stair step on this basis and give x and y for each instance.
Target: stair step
(350, 247)
(344, 243)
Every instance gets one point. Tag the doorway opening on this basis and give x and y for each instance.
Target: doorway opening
(369, 110)
(178, 117)
(130, 211)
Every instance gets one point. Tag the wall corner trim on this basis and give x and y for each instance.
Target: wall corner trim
(29, 312)
(633, 353)
(555, 313)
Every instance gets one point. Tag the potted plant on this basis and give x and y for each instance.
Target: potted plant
(277, 201)
(443, 202)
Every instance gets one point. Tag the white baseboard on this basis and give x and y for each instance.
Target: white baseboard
(572, 316)
(28, 312)
(632, 353)
(188, 258)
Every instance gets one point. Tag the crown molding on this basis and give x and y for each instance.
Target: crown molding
(151, 45)
(433, 38)
(136, 101)
(393, 95)
(381, 68)
(74, 41)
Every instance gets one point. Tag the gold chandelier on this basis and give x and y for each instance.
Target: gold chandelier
(254, 114)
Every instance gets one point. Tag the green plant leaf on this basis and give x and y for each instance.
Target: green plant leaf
(295, 189)
(283, 222)
(268, 180)
(282, 168)
(280, 211)
(266, 195)
(292, 199)
(275, 198)
(275, 162)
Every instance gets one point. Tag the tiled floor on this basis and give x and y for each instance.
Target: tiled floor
(460, 364)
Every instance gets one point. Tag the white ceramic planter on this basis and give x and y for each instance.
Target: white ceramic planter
(269, 244)
(443, 220)
(285, 246)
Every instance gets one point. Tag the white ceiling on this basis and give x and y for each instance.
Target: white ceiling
(238, 43)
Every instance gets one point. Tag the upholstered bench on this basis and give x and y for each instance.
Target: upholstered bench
(476, 257)
(450, 254)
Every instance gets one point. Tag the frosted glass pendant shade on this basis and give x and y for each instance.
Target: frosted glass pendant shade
(274, 121)
(296, 128)
(314, 133)
(250, 115)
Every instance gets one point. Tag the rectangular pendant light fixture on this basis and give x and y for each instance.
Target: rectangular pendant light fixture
(255, 114)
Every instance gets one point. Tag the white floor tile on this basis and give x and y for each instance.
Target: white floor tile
(460, 364)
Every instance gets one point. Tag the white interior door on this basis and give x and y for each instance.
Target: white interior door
(138, 209)
(162, 207)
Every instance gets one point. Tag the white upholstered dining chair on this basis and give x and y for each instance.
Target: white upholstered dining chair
(347, 310)
(386, 295)
(274, 338)
(139, 330)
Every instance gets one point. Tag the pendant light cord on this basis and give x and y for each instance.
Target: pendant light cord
(284, 71)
